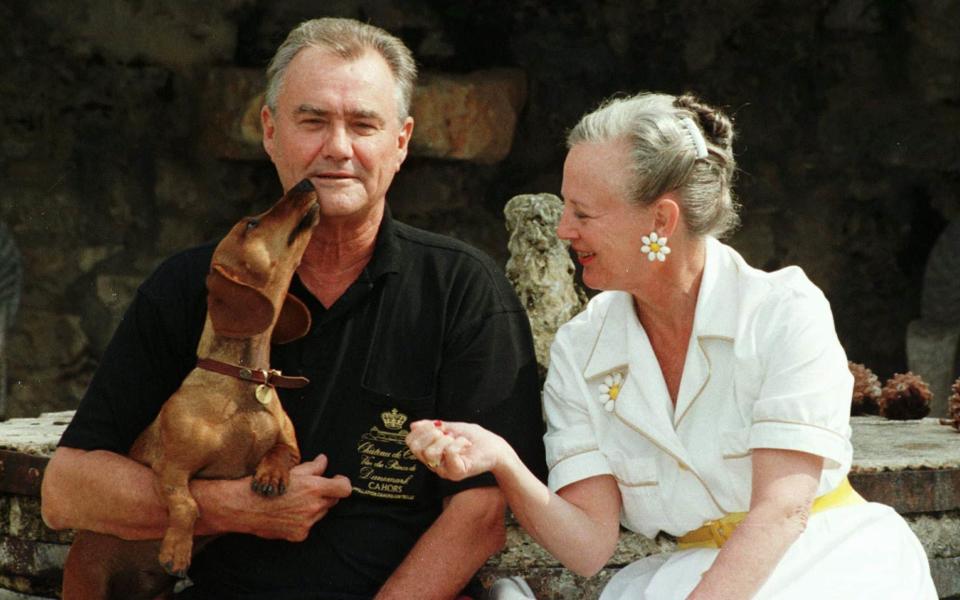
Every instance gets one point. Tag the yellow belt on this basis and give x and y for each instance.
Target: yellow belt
(713, 534)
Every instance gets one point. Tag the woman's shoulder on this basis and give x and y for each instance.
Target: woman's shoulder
(756, 286)
(772, 298)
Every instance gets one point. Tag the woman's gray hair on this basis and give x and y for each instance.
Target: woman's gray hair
(348, 39)
(667, 155)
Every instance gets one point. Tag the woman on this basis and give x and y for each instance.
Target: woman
(696, 396)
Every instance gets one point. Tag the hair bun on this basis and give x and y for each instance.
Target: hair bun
(715, 123)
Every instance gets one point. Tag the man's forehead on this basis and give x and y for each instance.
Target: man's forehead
(367, 65)
(320, 79)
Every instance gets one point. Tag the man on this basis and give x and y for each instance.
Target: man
(406, 325)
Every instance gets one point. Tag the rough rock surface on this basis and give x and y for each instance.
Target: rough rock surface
(540, 268)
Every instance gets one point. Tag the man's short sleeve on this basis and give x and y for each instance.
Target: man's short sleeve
(151, 351)
(489, 376)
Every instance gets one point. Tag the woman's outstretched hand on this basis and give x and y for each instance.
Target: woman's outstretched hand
(455, 451)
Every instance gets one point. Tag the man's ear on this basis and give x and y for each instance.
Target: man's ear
(666, 214)
(403, 140)
(269, 129)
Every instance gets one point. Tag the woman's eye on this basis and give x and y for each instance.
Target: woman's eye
(252, 224)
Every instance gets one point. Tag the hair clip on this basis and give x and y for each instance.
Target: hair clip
(696, 135)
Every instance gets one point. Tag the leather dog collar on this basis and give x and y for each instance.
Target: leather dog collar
(268, 377)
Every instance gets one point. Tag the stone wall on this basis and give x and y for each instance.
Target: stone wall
(913, 466)
(847, 109)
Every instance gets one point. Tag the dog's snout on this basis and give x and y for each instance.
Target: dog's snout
(303, 187)
(309, 219)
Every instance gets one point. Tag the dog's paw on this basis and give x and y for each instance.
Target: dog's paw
(178, 573)
(175, 554)
(267, 483)
(272, 475)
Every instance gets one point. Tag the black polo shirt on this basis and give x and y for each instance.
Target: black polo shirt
(430, 329)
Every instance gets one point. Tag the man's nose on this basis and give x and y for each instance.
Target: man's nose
(338, 145)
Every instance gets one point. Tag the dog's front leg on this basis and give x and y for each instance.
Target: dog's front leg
(273, 472)
(177, 545)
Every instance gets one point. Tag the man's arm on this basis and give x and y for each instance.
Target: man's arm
(468, 531)
(109, 493)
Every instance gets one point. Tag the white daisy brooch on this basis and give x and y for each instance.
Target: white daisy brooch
(610, 389)
(655, 247)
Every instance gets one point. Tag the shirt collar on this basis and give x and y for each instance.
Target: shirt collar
(715, 316)
(717, 301)
(387, 252)
(610, 350)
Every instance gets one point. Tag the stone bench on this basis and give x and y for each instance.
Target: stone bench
(913, 466)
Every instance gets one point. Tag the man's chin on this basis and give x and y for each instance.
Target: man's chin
(334, 206)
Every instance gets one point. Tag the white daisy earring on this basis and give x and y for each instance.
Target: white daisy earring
(610, 389)
(655, 247)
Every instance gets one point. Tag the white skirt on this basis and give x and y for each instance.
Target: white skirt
(863, 551)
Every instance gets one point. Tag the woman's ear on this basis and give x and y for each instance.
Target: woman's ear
(666, 214)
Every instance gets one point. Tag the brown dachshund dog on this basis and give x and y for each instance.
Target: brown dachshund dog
(225, 421)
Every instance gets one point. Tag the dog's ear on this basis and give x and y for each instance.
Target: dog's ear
(293, 322)
(236, 309)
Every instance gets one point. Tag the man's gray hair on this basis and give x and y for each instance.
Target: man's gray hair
(666, 156)
(348, 39)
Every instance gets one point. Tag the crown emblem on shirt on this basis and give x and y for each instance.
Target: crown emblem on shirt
(393, 419)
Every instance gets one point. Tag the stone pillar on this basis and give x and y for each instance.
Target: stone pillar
(932, 340)
(540, 268)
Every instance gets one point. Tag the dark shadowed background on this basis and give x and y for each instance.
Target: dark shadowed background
(847, 112)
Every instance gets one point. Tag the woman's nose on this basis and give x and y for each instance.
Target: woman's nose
(565, 230)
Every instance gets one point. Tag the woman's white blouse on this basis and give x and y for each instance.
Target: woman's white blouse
(764, 369)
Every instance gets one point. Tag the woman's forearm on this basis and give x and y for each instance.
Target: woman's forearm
(784, 486)
(579, 526)
(752, 553)
(583, 541)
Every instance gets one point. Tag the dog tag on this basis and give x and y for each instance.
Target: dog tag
(263, 394)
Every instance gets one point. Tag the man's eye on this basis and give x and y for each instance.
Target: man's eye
(252, 224)
(365, 127)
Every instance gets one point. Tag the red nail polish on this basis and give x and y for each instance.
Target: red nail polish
(438, 423)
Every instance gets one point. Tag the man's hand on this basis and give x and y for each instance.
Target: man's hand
(289, 517)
